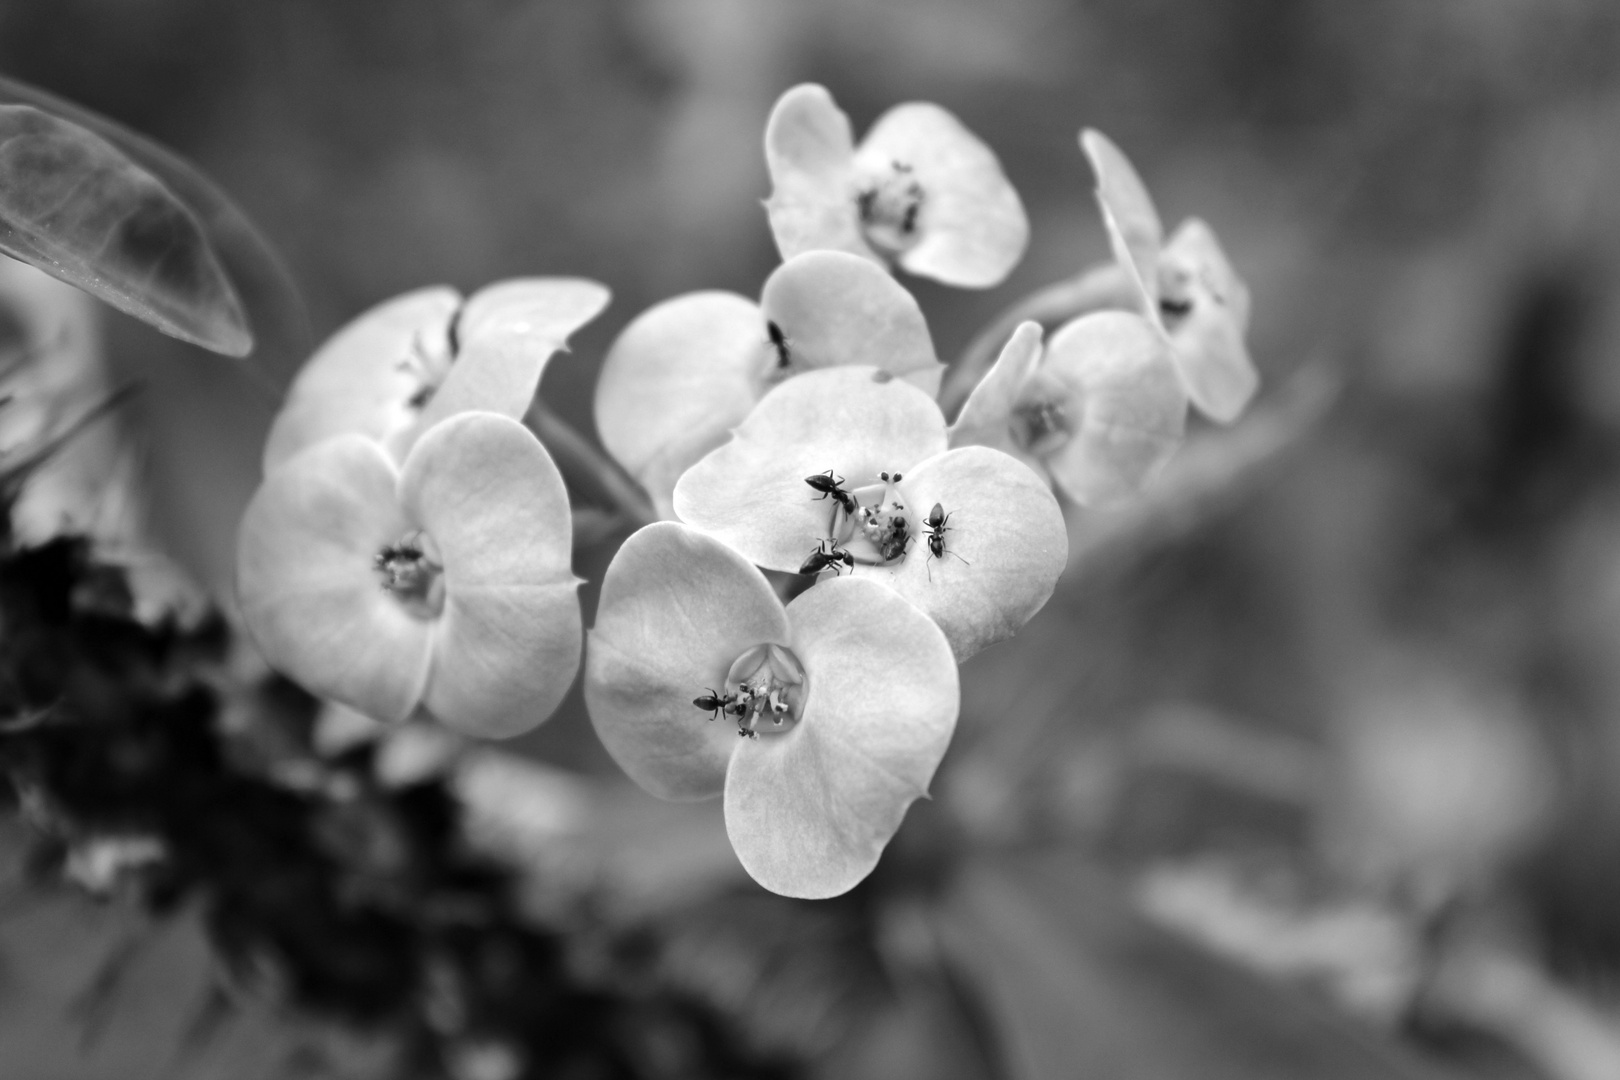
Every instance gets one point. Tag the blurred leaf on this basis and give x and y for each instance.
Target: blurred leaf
(76, 207)
(1078, 984)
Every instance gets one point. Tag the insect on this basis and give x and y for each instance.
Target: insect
(832, 487)
(779, 342)
(936, 519)
(894, 539)
(714, 703)
(828, 555)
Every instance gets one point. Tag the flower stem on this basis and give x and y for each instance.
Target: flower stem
(590, 472)
(1102, 286)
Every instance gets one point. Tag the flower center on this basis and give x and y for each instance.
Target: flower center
(764, 692)
(869, 525)
(890, 205)
(411, 573)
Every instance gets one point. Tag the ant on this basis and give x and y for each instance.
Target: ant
(936, 519)
(828, 555)
(896, 538)
(715, 704)
(779, 341)
(832, 487)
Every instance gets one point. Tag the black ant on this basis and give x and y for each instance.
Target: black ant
(896, 538)
(828, 555)
(832, 487)
(714, 703)
(779, 342)
(936, 519)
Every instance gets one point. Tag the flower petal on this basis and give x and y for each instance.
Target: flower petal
(1208, 339)
(493, 504)
(1113, 374)
(810, 811)
(750, 493)
(309, 595)
(987, 413)
(677, 609)
(355, 382)
(1005, 546)
(836, 308)
(810, 153)
(505, 333)
(1133, 225)
(676, 381)
(971, 225)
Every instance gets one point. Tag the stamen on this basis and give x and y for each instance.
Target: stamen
(890, 207)
(409, 572)
(766, 680)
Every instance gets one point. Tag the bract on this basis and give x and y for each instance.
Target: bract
(921, 190)
(411, 361)
(1186, 288)
(1100, 410)
(442, 583)
(808, 808)
(1001, 550)
(686, 371)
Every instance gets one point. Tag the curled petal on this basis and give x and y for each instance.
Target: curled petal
(1206, 312)
(507, 644)
(358, 382)
(677, 609)
(1004, 547)
(1111, 374)
(810, 811)
(810, 153)
(504, 334)
(835, 308)
(987, 414)
(676, 381)
(751, 493)
(971, 224)
(1127, 209)
(309, 595)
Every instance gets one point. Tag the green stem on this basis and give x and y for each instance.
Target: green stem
(592, 473)
(1102, 286)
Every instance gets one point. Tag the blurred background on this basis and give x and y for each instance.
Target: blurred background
(1319, 777)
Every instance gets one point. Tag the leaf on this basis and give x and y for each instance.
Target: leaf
(75, 206)
(1079, 984)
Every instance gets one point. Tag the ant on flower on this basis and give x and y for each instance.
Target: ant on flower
(779, 341)
(828, 555)
(832, 487)
(936, 519)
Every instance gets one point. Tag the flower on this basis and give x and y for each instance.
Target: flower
(1186, 287)
(846, 469)
(1099, 410)
(921, 190)
(848, 695)
(686, 371)
(409, 362)
(442, 583)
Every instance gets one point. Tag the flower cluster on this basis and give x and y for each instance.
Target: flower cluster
(410, 546)
(409, 549)
(800, 435)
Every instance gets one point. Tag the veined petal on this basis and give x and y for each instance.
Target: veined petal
(494, 506)
(504, 335)
(1133, 224)
(677, 380)
(304, 576)
(677, 609)
(1005, 546)
(357, 381)
(810, 152)
(750, 493)
(971, 226)
(809, 811)
(1208, 336)
(1126, 407)
(986, 414)
(836, 308)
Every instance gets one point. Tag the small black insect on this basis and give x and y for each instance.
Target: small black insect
(779, 342)
(895, 539)
(713, 703)
(828, 555)
(832, 487)
(936, 519)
